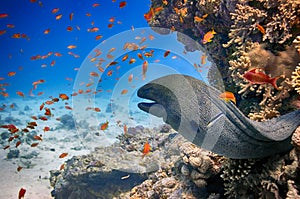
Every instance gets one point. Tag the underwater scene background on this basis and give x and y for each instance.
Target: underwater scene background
(149, 99)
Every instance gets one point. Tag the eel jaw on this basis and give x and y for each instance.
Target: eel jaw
(150, 91)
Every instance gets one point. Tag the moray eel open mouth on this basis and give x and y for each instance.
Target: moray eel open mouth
(196, 111)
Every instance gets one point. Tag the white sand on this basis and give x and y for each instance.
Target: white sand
(36, 178)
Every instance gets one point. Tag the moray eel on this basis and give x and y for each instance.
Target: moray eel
(195, 110)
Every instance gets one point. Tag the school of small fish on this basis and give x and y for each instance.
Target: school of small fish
(139, 54)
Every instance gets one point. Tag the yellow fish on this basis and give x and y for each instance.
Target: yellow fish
(208, 36)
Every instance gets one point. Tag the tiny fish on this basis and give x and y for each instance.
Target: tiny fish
(34, 144)
(208, 36)
(22, 193)
(167, 53)
(20, 93)
(58, 17)
(125, 57)
(104, 126)
(146, 149)
(261, 29)
(256, 77)
(228, 96)
(18, 144)
(130, 78)
(123, 92)
(144, 69)
(63, 96)
(36, 137)
(63, 155)
(11, 74)
(46, 128)
(122, 4)
(19, 168)
(125, 129)
(54, 10)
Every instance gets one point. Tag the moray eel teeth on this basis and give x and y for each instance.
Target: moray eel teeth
(195, 110)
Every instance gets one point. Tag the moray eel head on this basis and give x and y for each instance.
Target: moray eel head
(162, 99)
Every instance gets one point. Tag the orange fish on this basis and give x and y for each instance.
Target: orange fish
(208, 36)
(261, 29)
(104, 126)
(43, 118)
(3, 15)
(54, 10)
(125, 57)
(19, 168)
(42, 106)
(132, 60)
(47, 112)
(97, 109)
(94, 74)
(34, 144)
(20, 93)
(10, 25)
(200, 19)
(16, 36)
(109, 73)
(71, 16)
(6, 147)
(49, 102)
(140, 56)
(63, 96)
(2, 32)
(123, 92)
(22, 193)
(62, 167)
(256, 77)
(96, 5)
(40, 93)
(203, 59)
(46, 128)
(18, 144)
(68, 107)
(94, 29)
(11, 74)
(47, 31)
(98, 37)
(228, 96)
(71, 46)
(146, 149)
(58, 17)
(144, 68)
(112, 63)
(122, 4)
(69, 28)
(52, 63)
(130, 78)
(167, 53)
(63, 155)
(125, 129)
(36, 137)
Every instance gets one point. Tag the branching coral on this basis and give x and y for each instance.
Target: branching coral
(245, 19)
(296, 79)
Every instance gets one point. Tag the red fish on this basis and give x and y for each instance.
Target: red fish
(122, 4)
(20, 93)
(256, 77)
(261, 29)
(104, 126)
(63, 155)
(34, 144)
(11, 74)
(22, 193)
(18, 144)
(3, 15)
(167, 53)
(146, 149)
(46, 128)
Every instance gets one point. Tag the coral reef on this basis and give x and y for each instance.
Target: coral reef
(245, 29)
